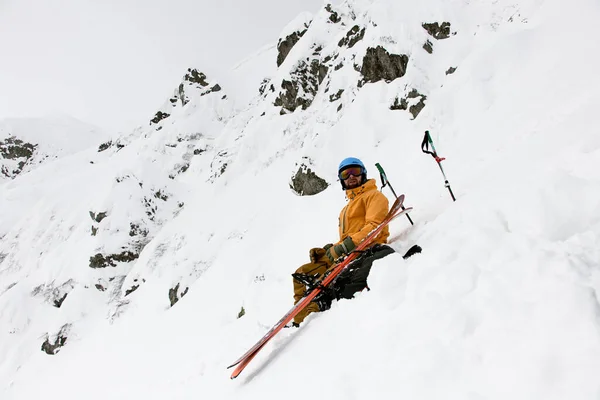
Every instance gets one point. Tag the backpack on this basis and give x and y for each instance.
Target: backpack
(354, 278)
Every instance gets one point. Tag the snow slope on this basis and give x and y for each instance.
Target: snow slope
(504, 301)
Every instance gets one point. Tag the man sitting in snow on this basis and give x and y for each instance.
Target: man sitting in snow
(366, 209)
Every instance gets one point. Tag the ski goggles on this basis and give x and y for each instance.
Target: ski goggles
(345, 174)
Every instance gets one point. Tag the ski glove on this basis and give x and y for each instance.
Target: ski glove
(412, 251)
(316, 254)
(341, 249)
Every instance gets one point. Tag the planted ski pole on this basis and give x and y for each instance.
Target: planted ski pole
(385, 182)
(425, 147)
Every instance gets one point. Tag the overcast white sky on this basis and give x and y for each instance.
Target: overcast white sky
(113, 62)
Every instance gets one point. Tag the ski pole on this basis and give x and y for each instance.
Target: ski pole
(425, 147)
(384, 182)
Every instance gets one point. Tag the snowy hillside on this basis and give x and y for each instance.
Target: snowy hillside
(141, 268)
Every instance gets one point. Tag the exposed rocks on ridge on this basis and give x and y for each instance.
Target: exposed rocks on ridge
(193, 81)
(437, 30)
(406, 103)
(333, 15)
(353, 36)
(60, 339)
(306, 183)
(173, 294)
(303, 85)
(19, 152)
(378, 64)
(284, 46)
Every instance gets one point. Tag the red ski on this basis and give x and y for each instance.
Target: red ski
(395, 211)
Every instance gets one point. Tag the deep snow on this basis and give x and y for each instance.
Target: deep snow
(504, 301)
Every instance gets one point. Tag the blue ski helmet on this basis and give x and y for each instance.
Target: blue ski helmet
(352, 162)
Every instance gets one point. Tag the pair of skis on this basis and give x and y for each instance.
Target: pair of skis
(396, 210)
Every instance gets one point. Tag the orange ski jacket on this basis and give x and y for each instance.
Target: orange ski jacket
(366, 208)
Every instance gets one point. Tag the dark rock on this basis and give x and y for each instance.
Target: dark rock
(215, 88)
(414, 109)
(159, 117)
(241, 313)
(59, 341)
(336, 96)
(339, 108)
(183, 168)
(104, 146)
(378, 64)
(160, 195)
(131, 290)
(94, 230)
(333, 16)
(98, 217)
(450, 70)
(306, 183)
(100, 287)
(173, 298)
(195, 76)
(58, 302)
(100, 261)
(352, 37)
(137, 230)
(263, 86)
(438, 31)
(285, 46)
(181, 94)
(307, 76)
(340, 65)
(12, 149)
(428, 46)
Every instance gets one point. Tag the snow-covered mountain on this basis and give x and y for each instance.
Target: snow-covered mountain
(143, 266)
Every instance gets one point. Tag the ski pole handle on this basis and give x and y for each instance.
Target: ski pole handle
(427, 141)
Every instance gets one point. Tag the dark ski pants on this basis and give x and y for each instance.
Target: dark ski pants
(350, 281)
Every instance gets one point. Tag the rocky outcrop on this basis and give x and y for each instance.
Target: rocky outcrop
(17, 151)
(52, 347)
(303, 85)
(131, 290)
(437, 30)
(173, 294)
(450, 70)
(333, 15)
(352, 37)
(98, 217)
(336, 96)
(284, 46)
(406, 103)
(107, 145)
(378, 64)
(193, 82)
(428, 46)
(102, 261)
(159, 116)
(54, 294)
(306, 183)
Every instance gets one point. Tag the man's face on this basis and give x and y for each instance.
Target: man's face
(353, 177)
